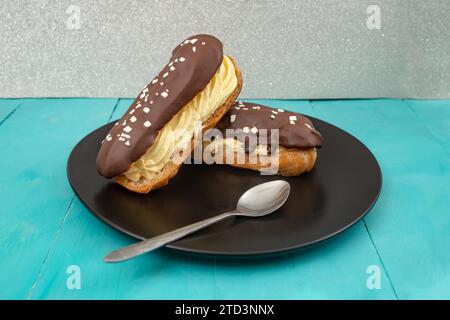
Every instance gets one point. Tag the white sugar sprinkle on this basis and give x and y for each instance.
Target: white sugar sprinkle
(155, 81)
(307, 124)
(125, 135)
(246, 129)
(172, 68)
(194, 49)
(142, 95)
(254, 129)
(274, 112)
(237, 108)
(121, 139)
(145, 90)
(127, 129)
(151, 102)
(176, 60)
(244, 108)
(133, 119)
(146, 109)
(232, 118)
(203, 43)
(293, 118)
(165, 74)
(162, 83)
(256, 108)
(164, 94)
(292, 122)
(124, 122)
(132, 111)
(170, 64)
(182, 59)
(127, 143)
(116, 123)
(147, 124)
(272, 116)
(280, 110)
(194, 41)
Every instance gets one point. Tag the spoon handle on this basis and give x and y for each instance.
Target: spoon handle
(150, 244)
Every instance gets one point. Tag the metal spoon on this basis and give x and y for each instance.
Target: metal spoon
(258, 201)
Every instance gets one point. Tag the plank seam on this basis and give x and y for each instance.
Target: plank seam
(215, 280)
(10, 114)
(117, 288)
(113, 110)
(381, 259)
(50, 249)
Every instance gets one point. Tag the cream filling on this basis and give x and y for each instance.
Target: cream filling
(178, 132)
(235, 146)
(232, 152)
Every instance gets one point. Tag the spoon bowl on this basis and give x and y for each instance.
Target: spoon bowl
(263, 199)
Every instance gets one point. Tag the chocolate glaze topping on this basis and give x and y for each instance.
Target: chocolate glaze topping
(247, 119)
(192, 65)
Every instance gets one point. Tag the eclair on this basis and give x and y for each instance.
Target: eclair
(144, 149)
(256, 137)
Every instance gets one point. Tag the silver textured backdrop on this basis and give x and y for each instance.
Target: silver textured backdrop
(285, 48)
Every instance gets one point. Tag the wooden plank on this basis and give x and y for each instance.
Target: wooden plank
(409, 225)
(84, 241)
(35, 144)
(435, 115)
(334, 270)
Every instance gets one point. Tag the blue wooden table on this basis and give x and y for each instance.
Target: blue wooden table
(45, 231)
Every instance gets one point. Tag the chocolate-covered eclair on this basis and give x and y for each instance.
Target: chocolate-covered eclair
(270, 140)
(191, 93)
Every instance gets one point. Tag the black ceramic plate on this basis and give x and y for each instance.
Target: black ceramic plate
(339, 191)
